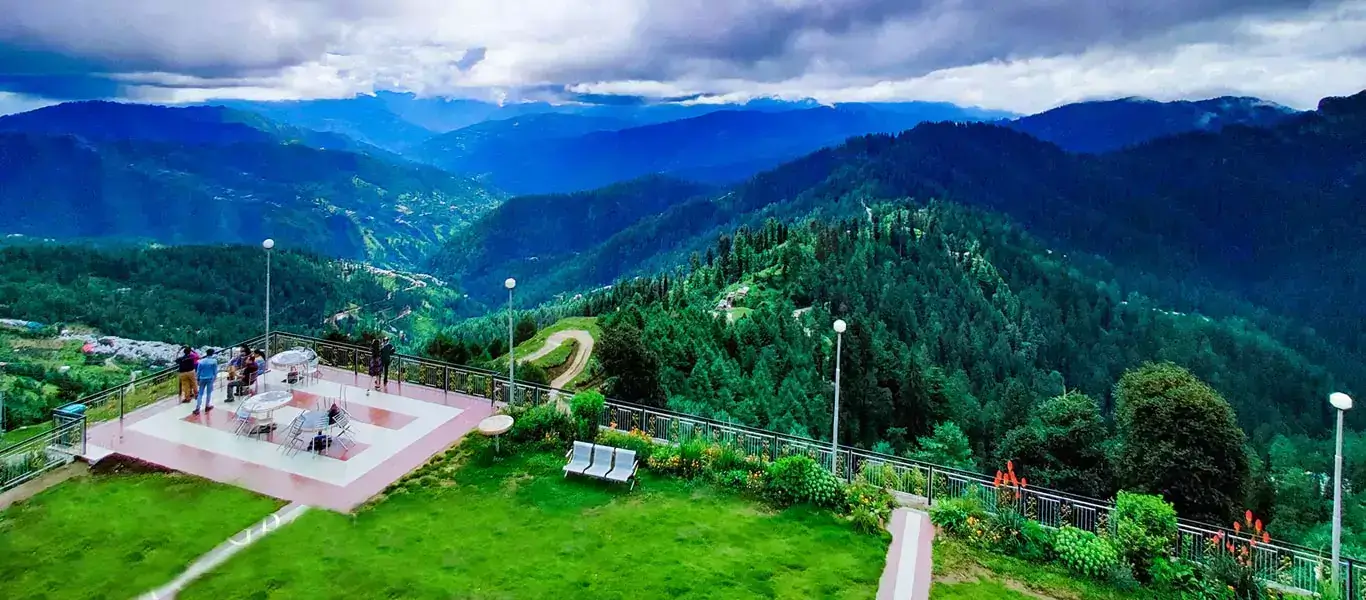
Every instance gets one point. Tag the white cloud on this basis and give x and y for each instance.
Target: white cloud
(1023, 56)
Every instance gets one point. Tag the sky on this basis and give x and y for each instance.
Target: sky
(1018, 55)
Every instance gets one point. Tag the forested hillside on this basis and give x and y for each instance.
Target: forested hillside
(199, 294)
(533, 237)
(970, 343)
(1214, 222)
(330, 202)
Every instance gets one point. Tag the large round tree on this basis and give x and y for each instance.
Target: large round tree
(1179, 438)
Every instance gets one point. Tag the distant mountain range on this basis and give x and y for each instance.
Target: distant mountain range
(1115, 124)
(100, 121)
(563, 153)
(1263, 212)
(212, 175)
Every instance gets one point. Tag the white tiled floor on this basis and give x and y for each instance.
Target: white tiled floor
(170, 425)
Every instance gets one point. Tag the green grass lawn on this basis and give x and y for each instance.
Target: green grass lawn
(962, 572)
(15, 436)
(589, 324)
(517, 529)
(117, 536)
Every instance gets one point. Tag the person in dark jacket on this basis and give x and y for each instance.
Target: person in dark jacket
(185, 368)
(386, 358)
(376, 364)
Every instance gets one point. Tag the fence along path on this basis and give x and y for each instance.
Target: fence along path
(1288, 566)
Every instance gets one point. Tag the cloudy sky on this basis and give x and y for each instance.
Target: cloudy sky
(1019, 55)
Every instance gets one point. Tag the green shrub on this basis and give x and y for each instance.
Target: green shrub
(1122, 577)
(683, 460)
(544, 425)
(1036, 542)
(796, 479)
(1085, 553)
(637, 441)
(1006, 528)
(587, 410)
(1145, 528)
(1173, 575)
(955, 516)
(728, 465)
(868, 506)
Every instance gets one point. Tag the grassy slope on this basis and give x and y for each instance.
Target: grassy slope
(961, 571)
(589, 324)
(517, 529)
(117, 536)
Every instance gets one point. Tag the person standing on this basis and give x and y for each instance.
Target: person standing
(184, 366)
(206, 372)
(376, 364)
(386, 358)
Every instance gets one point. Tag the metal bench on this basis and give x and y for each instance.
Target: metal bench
(602, 462)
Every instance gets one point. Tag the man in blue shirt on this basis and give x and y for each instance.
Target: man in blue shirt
(206, 372)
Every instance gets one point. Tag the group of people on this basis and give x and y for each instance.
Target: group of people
(198, 373)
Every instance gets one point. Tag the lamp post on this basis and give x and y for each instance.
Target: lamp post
(268, 245)
(1343, 403)
(835, 433)
(512, 352)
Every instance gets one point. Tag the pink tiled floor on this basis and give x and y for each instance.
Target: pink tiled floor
(396, 432)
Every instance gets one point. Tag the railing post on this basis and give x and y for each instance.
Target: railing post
(123, 393)
(446, 378)
(1351, 580)
(355, 362)
(929, 488)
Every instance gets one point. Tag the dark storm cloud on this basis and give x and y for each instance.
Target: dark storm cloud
(773, 42)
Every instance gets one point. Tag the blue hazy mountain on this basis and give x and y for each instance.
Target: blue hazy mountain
(718, 147)
(211, 174)
(1113, 124)
(101, 121)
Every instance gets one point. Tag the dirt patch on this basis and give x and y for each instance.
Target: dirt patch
(121, 464)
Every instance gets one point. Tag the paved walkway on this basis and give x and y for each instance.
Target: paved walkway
(221, 553)
(910, 559)
(578, 362)
(395, 433)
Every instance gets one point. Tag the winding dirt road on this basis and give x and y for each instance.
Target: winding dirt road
(578, 362)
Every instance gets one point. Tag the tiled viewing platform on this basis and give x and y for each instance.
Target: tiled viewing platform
(396, 431)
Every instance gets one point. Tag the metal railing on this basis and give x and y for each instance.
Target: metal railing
(30, 458)
(1286, 565)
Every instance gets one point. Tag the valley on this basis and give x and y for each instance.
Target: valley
(1001, 277)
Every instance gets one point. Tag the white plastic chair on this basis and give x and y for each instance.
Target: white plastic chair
(624, 468)
(602, 462)
(583, 458)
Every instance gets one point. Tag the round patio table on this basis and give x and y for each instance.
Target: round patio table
(265, 404)
(494, 427)
(291, 360)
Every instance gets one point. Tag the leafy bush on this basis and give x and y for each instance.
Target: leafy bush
(869, 506)
(795, 479)
(1085, 553)
(1007, 529)
(637, 441)
(1122, 577)
(1168, 574)
(587, 410)
(740, 479)
(954, 515)
(546, 425)
(683, 460)
(1036, 542)
(728, 465)
(1145, 527)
